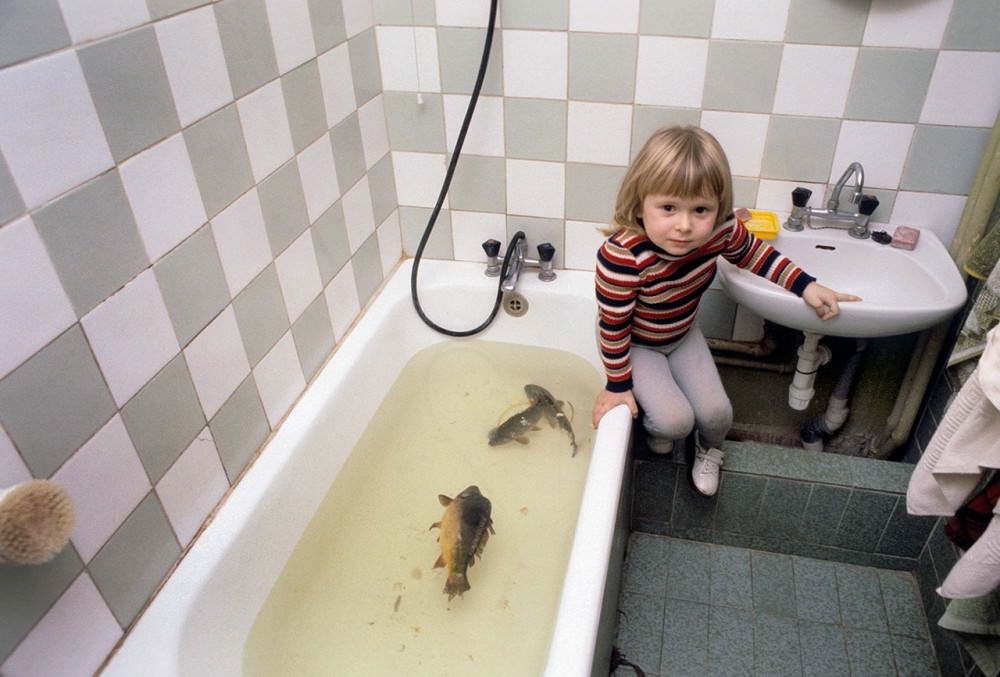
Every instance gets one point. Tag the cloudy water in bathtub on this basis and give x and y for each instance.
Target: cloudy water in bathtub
(359, 595)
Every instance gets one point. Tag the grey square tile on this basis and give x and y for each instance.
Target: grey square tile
(327, 18)
(905, 535)
(913, 656)
(799, 148)
(129, 86)
(382, 184)
(944, 159)
(890, 84)
(782, 508)
(871, 473)
(689, 571)
(741, 76)
(367, 266)
(973, 24)
(219, 158)
(640, 628)
(535, 129)
(730, 641)
(246, 42)
(460, 52)
(30, 28)
(333, 249)
(777, 652)
(773, 584)
(816, 590)
(261, 315)
(537, 231)
(591, 191)
(313, 336)
(413, 222)
(653, 491)
(602, 67)
(193, 284)
(648, 119)
(28, 592)
(239, 428)
(414, 126)
(164, 418)
(11, 204)
(645, 568)
(284, 207)
(740, 497)
(826, 22)
(861, 598)
(903, 608)
(869, 653)
(731, 578)
(823, 650)
(363, 53)
(692, 509)
(162, 8)
(685, 639)
(745, 191)
(304, 104)
(348, 152)
(823, 513)
(528, 14)
(479, 184)
(93, 240)
(677, 18)
(130, 566)
(416, 13)
(865, 518)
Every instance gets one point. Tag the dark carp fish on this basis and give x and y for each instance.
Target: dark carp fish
(551, 409)
(465, 527)
(517, 427)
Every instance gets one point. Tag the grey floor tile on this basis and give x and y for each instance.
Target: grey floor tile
(816, 591)
(640, 628)
(730, 641)
(773, 584)
(689, 572)
(776, 646)
(685, 639)
(646, 564)
(731, 581)
(869, 653)
(913, 657)
(824, 653)
(861, 599)
(903, 607)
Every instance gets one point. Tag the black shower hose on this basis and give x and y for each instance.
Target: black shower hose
(484, 62)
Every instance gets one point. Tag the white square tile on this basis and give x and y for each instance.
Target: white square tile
(462, 13)
(131, 336)
(418, 178)
(776, 196)
(291, 31)
(342, 300)
(759, 20)
(51, 136)
(742, 136)
(583, 239)
(73, 638)
(319, 177)
(358, 214)
(298, 274)
(390, 243)
(264, 119)
(599, 133)
(218, 361)
(196, 66)
(535, 64)
(34, 307)
(814, 80)
(536, 188)
(930, 211)
(241, 238)
(90, 19)
(374, 135)
(880, 147)
(485, 135)
(408, 59)
(601, 16)
(164, 195)
(964, 90)
(106, 481)
(902, 23)
(470, 229)
(12, 468)
(359, 16)
(279, 379)
(192, 487)
(337, 83)
(671, 71)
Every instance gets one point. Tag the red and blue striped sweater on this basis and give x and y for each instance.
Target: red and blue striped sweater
(648, 297)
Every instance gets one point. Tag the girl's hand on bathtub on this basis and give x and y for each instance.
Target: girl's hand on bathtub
(607, 400)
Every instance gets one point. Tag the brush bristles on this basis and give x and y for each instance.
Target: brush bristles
(35, 522)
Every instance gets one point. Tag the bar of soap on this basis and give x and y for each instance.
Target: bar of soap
(905, 237)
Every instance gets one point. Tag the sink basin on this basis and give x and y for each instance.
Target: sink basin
(902, 290)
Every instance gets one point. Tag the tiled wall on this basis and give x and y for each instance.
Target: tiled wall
(196, 199)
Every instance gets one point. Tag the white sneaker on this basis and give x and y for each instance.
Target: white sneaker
(660, 445)
(705, 471)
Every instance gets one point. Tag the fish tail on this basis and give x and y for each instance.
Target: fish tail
(456, 584)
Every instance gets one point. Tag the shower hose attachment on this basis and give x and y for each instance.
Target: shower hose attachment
(484, 62)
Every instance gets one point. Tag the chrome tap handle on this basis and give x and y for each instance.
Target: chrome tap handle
(492, 249)
(800, 200)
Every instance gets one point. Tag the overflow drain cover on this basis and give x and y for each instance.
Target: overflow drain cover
(515, 304)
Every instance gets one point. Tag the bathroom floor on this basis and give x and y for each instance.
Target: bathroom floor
(693, 608)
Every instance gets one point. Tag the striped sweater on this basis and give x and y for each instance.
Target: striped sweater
(648, 297)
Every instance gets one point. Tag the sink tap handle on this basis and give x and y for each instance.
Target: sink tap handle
(868, 204)
(545, 252)
(800, 196)
(492, 249)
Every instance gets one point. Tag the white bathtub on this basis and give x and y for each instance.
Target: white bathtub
(199, 622)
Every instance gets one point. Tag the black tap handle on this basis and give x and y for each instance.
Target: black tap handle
(546, 251)
(492, 247)
(868, 204)
(800, 196)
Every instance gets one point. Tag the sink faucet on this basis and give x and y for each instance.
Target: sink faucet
(855, 222)
(516, 259)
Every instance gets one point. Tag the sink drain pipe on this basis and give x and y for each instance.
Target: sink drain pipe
(812, 356)
(829, 422)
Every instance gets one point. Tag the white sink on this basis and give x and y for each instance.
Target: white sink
(903, 291)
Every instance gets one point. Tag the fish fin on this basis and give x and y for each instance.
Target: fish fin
(439, 563)
(435, 525)
(443, 500)
(521, 440)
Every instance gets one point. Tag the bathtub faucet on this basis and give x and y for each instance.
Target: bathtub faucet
(518, 259)
(855, 222)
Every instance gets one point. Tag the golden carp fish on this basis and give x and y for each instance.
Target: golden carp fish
(465, 527)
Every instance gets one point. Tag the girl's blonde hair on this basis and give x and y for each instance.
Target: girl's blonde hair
(686, 162)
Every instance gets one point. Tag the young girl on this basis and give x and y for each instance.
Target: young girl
(673, 218)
